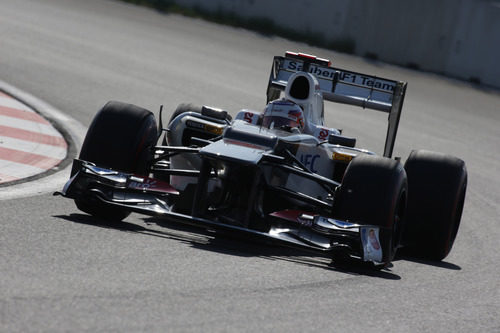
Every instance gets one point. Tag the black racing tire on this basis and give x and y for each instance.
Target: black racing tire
(437, 184)
(120, 138)
(181, 108)
(373, 192)
(185, 107)
(190, 107)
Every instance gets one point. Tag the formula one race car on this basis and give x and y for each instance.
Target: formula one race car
(278, 175)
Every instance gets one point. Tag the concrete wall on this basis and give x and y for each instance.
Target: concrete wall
(460, 38)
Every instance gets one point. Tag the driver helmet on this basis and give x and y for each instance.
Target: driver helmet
(283, 114)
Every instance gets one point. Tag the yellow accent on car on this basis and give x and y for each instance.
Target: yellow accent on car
(342, 157)
(214, 129)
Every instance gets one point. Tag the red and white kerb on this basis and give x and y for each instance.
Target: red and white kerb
(29, 145)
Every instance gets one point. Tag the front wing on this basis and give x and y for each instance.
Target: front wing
(291, 228)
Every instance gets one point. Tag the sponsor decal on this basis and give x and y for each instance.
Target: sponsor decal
(323, 134)
(342, 157)
(372, 250)
(296, 116)
(297, 216)
(194, 124)
(205, 127)
(248, 117)
(309, 160)
(214, 129)
(349, 77)
(313, 69)
(150, 184)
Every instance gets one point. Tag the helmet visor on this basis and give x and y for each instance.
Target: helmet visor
(278, 122)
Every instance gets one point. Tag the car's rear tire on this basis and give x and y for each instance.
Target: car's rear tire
(437, 184)
(190, 107)
(120, 138)
(373, 192)
(181, 108)
(187, 107)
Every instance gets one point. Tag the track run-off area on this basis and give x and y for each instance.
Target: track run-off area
(63, 270)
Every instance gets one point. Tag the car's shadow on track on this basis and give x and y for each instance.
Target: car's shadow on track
(441, 264)
(229, 244)
(133, 228)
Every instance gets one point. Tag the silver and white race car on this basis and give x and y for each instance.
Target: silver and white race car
(280, 175)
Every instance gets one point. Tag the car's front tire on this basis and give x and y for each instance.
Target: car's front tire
(373, 192)
(120, 137)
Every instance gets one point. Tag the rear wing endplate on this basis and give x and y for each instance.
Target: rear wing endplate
(343, 86)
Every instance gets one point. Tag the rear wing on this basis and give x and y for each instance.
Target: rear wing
(343, 86)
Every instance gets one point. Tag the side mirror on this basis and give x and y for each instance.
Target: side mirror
(342, 140)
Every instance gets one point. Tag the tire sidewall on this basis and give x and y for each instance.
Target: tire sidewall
(120, 137)
(437, 186)
(373, 192)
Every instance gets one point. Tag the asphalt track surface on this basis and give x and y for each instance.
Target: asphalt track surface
(62, 270)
